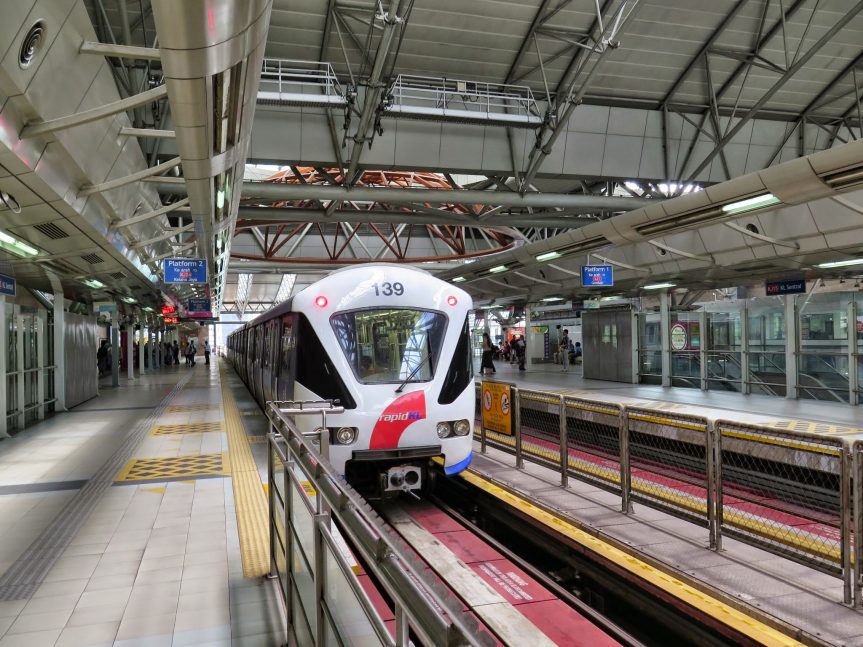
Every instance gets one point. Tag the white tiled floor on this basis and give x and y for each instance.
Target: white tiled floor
(156, 564)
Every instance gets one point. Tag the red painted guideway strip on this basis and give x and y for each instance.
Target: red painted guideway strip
(557, 620)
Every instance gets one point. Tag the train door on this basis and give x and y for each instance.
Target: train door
(268, 369)
(287, 372)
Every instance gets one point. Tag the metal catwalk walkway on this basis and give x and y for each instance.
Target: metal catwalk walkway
(120, 522)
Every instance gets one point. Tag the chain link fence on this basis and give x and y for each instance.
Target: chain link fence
(794, 494)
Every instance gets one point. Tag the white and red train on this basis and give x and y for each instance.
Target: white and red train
(391, 344)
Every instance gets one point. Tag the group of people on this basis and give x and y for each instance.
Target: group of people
(171, 354)
(514, 350)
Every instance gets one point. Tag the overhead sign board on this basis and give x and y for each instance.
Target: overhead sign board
(787, 286)
(597, 276)
(104, 306)
(185, 270)
(168, 310)
(7, 285)
(497, 407)
(170, 320)
(199, 308)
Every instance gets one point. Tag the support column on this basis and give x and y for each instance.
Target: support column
(59, 351)
(40, 363)
(745, 378)
(130, 350)
(19, 365)
(528, 361)
(665, 332)
(636, 356)
(853, 374)
(702, 348)
(4, 348)
(115, 348)
(792, 343)
(142, 348)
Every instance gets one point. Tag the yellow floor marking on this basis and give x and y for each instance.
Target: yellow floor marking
(707, 604)
(189, 428)
(249, 499)
(188, 408)
(196, 465)
(155, 490)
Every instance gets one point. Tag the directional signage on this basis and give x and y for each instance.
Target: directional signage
(168, 310)
(170, 320)
(596, 276)
(788, 286)
(199, 308)
(185, 270)
(7, 285)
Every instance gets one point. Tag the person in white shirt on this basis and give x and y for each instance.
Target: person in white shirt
(207, 351)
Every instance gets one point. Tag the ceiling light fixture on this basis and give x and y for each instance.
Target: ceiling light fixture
(659, 286)
(497, 269)
(93, 283)
(546, 299)
(749, 204)
(851, 261)
(12, 244)
(548, 256)
(459, 279)
(129, 300)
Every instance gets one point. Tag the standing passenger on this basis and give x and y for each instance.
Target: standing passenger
(207, 351)
(564, 350)
(521, 351)
(176, 353)
(486, 364)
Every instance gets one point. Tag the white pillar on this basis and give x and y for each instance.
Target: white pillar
(528, 363)
(792, 342)
(4, 348)
(130, 350)
(19, 364)
(665, 332)
(59, 351)
(115, 348)
(40, 363)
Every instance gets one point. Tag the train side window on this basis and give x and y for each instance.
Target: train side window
(460, 373)
(315, 369)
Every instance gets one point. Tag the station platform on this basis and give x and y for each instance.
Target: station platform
(759, 409)
(130, 520)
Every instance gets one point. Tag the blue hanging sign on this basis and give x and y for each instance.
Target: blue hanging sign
(199, 308)
(7, 285)
(185, 270)
(597, 276)
(788, 286)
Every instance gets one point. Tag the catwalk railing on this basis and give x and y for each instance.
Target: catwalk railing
(336, 562)
(794, 494)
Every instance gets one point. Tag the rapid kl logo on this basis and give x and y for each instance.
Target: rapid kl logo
(398, 416)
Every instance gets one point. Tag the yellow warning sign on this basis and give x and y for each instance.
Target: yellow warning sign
(497, 407)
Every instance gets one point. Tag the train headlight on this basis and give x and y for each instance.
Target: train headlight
(461, 428)
(346, 435)
(443, 429)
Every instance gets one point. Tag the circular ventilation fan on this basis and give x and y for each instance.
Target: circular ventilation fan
(31, 44)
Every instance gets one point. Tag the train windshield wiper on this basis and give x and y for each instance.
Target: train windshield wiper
(413, 372)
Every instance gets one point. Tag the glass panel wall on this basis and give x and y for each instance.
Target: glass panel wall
(649, 348)
(823, 336)
(724, 343)
(767, 332)
(686, 340)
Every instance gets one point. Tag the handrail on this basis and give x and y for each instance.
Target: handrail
(421, 603)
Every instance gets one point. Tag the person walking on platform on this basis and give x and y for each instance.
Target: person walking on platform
(564, 350)
(487, 365)
(103, 361)
(191, 351)
(521, 352)
(176, 353)
(206, 351)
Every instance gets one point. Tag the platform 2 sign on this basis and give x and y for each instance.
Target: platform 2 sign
(199, 308)
(497, 407)
(788, 286)
(185, 270)
(597, 276)
(7, 285)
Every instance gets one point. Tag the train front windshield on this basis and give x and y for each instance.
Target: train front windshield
(392, 345)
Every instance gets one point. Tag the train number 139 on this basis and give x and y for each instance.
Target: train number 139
(389, 289)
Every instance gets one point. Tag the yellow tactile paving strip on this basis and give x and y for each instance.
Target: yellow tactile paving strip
(189, 428)
(192, 408)
(707, 604)
(148, 469)
(250, 500)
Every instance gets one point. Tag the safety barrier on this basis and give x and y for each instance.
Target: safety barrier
(325, 585)
(790, 493)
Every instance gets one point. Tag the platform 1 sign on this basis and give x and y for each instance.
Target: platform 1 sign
(185, 270)
(497, 407)
(788, 286)
(597, 276)
(7, 285)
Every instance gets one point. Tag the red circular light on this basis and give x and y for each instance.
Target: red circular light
(451, 300)
(321, 301)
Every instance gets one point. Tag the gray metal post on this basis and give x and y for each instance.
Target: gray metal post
(527, 359)
(636, 357)
(130, 353)
(625, 464)
(59, 351)
(792, 343)
(4, 349)
(142, 337)
(19, 365)
(665, 332)
(745, 377)
(516, 415)
(702, 348)
(710, 477)
(718, 495)
(115, 348)
(857, 496)
(40, 363)
(845, 504)
(853, 373)
(564, 444)
(483, 437)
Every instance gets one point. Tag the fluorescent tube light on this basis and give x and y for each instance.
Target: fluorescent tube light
(93, 283)
(659, 286)
(851, 261)
(552, 299)
(459, 279)
(130, 300)
(548, 256)
(497, 269)
(751, 203)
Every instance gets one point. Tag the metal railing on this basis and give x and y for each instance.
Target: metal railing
(314, 516)
(792, 493)
(459, 100)
(300, 83)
